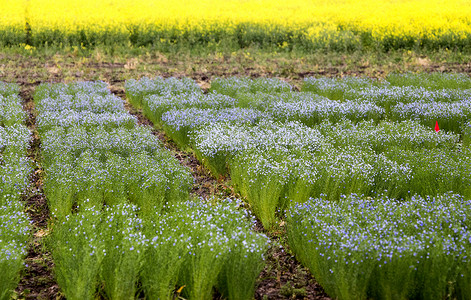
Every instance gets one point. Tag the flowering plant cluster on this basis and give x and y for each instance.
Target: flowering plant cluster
(308, 147)
(88, 160)
(14, 237)
(336, 88)
(193, 247)
(450, 116)
(122, 222)
(311, 109)
(233, 86)
(11, 111)
(426, 98)
(466, 130)
(137, 90)
(155, 105)
(180, 123)
(15, 170)
(346, 147)
(434, 80)
(362, 247)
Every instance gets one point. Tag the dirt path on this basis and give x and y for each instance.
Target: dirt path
(37, 281)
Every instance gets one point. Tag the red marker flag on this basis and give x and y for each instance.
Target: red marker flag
(437, 129)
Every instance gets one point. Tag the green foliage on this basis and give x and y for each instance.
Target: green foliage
(77, 250)
(466, 130)
(336, 88)
(96, 247)
(14, 236)
(233, 86)
(363, 248)
(406, 135)
(199, 246)
(434, 80)
(435, 171)
(9, 89)
(138, 90)
(154, 106)
(124, 248)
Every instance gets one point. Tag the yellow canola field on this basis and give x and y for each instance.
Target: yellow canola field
(316, 21)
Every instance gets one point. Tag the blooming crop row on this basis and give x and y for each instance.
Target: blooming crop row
(405, 237)
(364, 248)
(192, 245)
(434, 80)
(123, 222)
(272, 162)
(406, 97)
(15, 170)
(349, 25)
(96, 154)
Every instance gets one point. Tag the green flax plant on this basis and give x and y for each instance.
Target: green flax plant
(434, 80)
(466, 134)
(14, 235)
(263, 178)
(167, 249)
(89, 120)
(124, 249)
(216, 145)
(362, 247)
(406, 135)
(15, 166)
(7, 89)
(75, 140)
(137, 90)
(449, 116)
(94, 179)
(60, 185)
(90, 176)
(243, 265)
(15, 171)
(180, 123)
(55, 90)
(154, 106)
(98, 250)
(199, 246)
(96, 103)
(78, 250)
(434, 171)
(148, 185)
(11, 111)
(15, 140)
(232, 86)
(270, 179)
(310, 108)
(335, 88)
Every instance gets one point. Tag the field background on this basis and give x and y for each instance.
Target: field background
(59, 41)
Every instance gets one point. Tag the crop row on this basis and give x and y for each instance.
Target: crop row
(301, 153)
(124, 224)
(15, 170)
(381, 248)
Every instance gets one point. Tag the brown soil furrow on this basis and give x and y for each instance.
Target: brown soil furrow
(37, 280)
